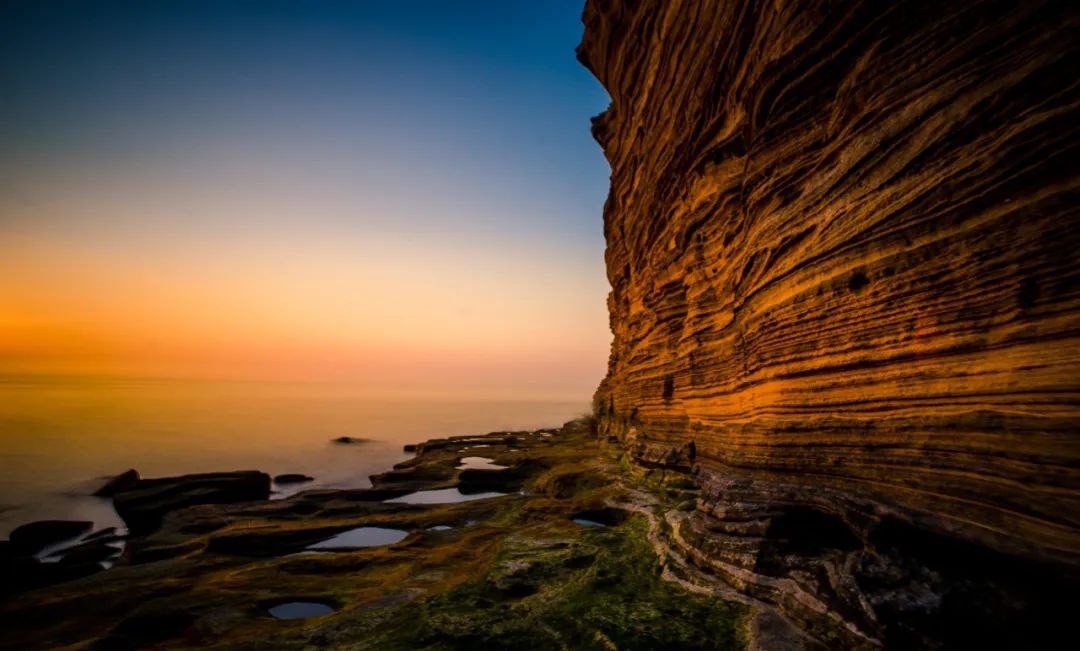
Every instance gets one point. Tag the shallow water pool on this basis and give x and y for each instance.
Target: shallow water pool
(479, 463)
(361, 537)
(442, 496)
(300, 609)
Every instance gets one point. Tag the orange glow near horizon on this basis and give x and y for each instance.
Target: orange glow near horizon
(395, 318)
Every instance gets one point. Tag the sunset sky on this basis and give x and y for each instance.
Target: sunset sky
(403, 197)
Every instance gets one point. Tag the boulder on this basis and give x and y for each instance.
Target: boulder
(124, 481)
(292, 478)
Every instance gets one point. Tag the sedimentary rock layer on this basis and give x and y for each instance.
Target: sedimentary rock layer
(843, 240)
(844, 244)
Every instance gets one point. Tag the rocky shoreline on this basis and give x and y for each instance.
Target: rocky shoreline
(529, 539)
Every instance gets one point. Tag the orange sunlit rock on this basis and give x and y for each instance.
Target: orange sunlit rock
(842, 243)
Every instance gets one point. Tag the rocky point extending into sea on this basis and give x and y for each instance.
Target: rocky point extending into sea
(530, 539)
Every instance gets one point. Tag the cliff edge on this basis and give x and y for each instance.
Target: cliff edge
(843, 242)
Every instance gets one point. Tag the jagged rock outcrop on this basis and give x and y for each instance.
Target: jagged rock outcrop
(844, 250)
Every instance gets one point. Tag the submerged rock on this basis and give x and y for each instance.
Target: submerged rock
(349, 440)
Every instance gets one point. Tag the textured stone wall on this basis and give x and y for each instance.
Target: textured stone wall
(844, 250)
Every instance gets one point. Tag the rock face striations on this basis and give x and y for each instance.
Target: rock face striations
(844, 250)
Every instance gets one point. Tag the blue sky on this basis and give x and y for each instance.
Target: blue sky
(482, 95)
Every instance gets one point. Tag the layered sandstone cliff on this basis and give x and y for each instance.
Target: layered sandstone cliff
(844, 250)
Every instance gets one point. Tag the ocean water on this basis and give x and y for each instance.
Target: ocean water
(59, 440)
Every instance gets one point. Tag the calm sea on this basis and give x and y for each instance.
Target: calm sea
(58, 440)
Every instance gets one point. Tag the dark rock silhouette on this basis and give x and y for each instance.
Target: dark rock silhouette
(33, 537)
(292, 478)
(123, 481)
(143, 505)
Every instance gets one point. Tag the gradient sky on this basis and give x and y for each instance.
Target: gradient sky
(399, 194)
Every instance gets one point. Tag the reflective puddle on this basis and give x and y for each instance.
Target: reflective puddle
(361, 537)
(300, 609)
(604, 517)
(443, 496)
(479, 463)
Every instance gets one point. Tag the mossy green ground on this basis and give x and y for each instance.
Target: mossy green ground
(599, 589)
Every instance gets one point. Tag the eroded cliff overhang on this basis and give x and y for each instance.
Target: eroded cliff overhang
(843, 241)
